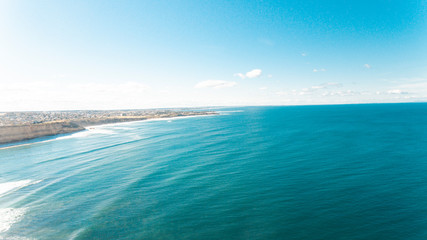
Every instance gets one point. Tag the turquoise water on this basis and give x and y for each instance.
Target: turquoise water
(303, 172)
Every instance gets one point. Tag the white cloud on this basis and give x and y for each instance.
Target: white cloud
(304, 54)
(367, 66)
(251, 74)
(254, 73)
(418, 86)
(332, 84)
(347, 93)
(321, 89)
(216, 84)
(396, 91)
(319, 70)
(263, 88)
(326, 85)
(317, 87)
(240, 75)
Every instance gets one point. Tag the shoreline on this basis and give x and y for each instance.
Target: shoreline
(22, 133)
(152, 120)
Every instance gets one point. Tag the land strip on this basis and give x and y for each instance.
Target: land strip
(19, 126)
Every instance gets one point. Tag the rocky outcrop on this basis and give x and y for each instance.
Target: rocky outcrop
(10, 134)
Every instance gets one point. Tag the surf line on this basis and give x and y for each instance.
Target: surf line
(105, 125)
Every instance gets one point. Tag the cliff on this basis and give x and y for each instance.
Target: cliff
(24, 132)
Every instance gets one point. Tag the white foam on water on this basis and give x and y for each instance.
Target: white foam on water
(76, 233)
(20, 145)
(176, 118)
(119, 125)
(136, 137)
(16, 238)
(87, 132)
(10, 216)
(8, 187)
(234, 111)
(122, 128)
(100, 129)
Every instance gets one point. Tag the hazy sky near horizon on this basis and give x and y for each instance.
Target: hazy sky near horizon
(141, 54)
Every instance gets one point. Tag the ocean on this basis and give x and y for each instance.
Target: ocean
(291, 172)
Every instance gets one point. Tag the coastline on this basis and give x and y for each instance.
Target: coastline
(20, 133)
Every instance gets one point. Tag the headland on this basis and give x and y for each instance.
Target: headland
(19, 126)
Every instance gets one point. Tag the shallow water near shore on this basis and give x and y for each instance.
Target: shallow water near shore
(300, 172)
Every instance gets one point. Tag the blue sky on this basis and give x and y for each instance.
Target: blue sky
(142, 54)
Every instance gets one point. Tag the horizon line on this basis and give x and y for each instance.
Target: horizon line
(216, 106)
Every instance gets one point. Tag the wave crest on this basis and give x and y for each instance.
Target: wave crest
(8, 187)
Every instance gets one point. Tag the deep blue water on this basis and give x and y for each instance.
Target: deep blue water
(300, 172)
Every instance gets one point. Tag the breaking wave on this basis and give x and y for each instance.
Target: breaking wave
(9, 187)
